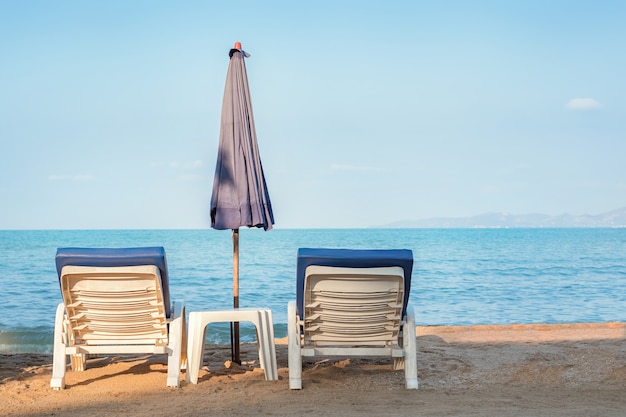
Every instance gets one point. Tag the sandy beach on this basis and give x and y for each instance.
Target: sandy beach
(514, 370)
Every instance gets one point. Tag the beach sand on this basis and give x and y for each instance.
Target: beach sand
(514, 370)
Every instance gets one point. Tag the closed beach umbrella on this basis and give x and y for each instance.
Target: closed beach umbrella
(240, 197)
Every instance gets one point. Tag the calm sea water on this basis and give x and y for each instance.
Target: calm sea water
(460, 277)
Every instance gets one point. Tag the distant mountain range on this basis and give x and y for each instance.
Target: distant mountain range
(614, 218)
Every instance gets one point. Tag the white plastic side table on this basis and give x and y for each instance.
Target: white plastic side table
(261, 318)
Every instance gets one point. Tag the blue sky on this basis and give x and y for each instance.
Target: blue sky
(366, 112)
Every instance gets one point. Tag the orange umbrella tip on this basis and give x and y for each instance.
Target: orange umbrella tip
(237, 45)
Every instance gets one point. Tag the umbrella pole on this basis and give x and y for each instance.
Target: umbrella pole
(235, 327)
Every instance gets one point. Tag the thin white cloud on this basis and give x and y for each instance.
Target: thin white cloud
(194, 164)
(188, 171)
(72, 178)
(583, 104)
(353, 168)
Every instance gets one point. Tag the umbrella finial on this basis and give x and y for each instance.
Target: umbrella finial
(237, 48)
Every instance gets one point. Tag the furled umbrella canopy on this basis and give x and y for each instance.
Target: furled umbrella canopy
(240, 197)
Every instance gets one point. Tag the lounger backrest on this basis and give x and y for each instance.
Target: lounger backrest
(114, 305)
(352, 258)
(353, 306)
(107, 257)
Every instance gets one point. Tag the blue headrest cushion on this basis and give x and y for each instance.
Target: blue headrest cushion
(353, 258)
(118, 257)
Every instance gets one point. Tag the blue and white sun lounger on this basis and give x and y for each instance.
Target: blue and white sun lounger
(116, 301)
(352, 303)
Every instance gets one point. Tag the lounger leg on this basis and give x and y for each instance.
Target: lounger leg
(398, 363)
(174, 355)
(59, 361)
(295, 354)
(183, 347)
(410, 349)
(78, 362)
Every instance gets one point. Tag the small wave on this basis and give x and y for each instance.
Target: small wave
(36, 340)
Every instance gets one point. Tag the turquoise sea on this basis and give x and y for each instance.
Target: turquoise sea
(460, 276)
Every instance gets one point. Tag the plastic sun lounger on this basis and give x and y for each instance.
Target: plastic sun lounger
(352, 303)
(116, 301)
